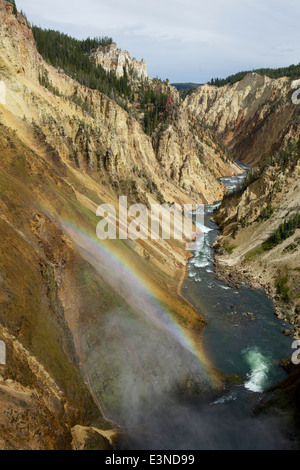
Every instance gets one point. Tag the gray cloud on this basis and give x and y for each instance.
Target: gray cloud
(184, 41)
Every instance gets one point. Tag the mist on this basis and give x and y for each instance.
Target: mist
(151, 384)
(155, 391)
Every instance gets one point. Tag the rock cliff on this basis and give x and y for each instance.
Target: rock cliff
(253, 117)
(249, 218)
(113, 59)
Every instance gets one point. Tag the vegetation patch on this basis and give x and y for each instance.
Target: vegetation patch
(283, 289)
(158, 108)
(254, 253)
(46, 82)
(293, 246)
(293, 71)
(266, 212)
(73, 56)
(284, 231)
(229, 248)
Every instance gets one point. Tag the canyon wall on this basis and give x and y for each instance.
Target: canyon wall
(253, 117)
(66, 149)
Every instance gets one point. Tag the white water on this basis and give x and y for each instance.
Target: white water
(203, 228)
(259, 365)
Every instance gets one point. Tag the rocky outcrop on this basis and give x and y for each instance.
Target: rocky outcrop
(187, 150)
(247, 220)
(253, 117)
(18, 43)
(89, 439)
(113, 59)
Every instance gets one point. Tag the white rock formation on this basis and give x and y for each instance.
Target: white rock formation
(112, 58)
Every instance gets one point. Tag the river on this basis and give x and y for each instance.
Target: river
(243, 338)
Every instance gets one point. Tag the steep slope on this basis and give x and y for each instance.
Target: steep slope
(259, 243)
(253, 117)
(41, 361)
(66, 299)
(249, 218)
(259, 122)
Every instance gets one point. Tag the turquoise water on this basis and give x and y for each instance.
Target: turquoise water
(249, 346)
(232, 334)
(238, 343)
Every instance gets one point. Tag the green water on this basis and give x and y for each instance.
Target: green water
(249, 346)
(164, 398)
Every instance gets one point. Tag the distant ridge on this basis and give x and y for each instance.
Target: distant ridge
(293, 71)
(185, 86)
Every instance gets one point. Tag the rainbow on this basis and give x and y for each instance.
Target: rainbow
(138, 294)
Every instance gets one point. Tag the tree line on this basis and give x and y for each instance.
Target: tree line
(73, 56)
(293, 72)
(284, 231)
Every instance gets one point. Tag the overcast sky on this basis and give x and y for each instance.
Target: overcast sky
(186, 40)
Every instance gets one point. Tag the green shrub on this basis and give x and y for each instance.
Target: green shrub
(266, 212)
(228, 248)
(284, 231)
(46, 82)
(282, 288)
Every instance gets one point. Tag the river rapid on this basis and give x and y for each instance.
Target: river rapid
(243, 338)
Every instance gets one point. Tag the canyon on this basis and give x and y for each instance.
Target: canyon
(259, 122)
(73, 311)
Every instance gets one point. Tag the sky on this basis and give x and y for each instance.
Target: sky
(186, 40)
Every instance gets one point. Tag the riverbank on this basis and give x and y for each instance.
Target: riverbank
(234, 277)
(249, 347)
(247, 220)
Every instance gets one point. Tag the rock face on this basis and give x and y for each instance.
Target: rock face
(253, 117)
(2, 93)
(258, 119)
(247, 220)
(63, 154)
(185, 151)
(89, 439)
(113, 59)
